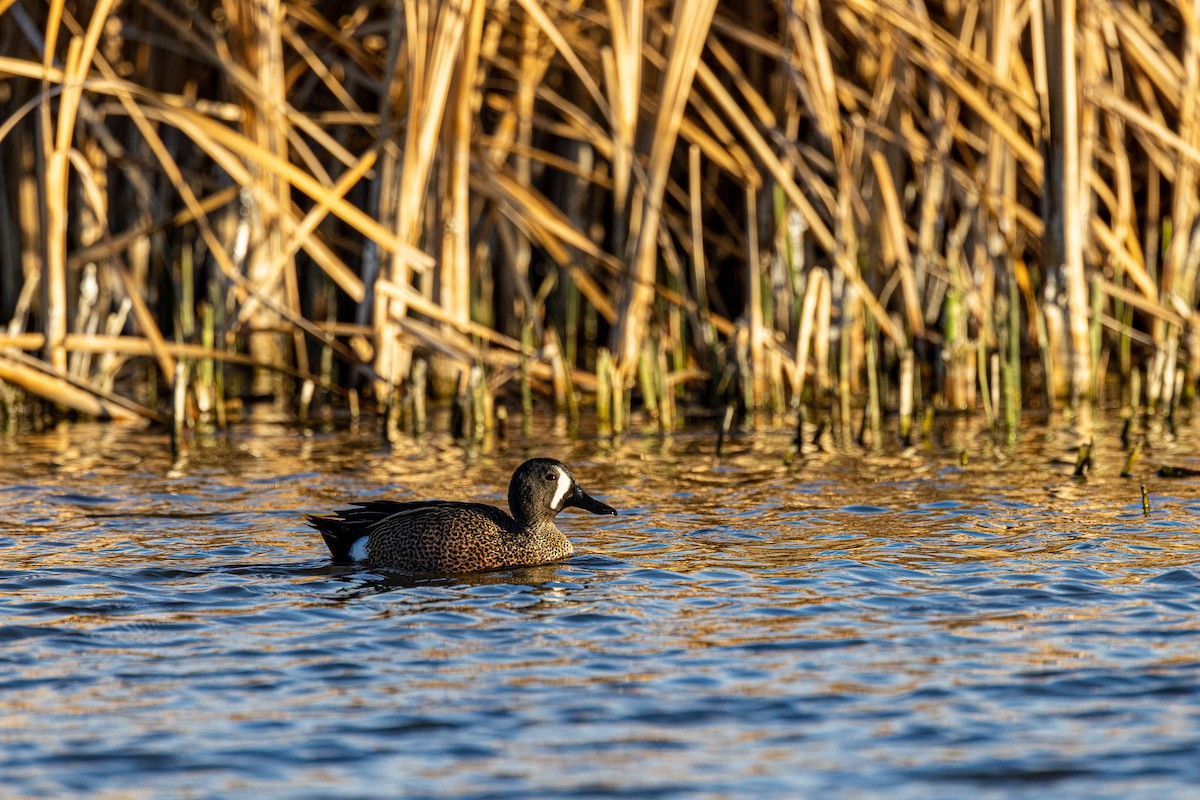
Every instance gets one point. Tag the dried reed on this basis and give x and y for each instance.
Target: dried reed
(626, 200)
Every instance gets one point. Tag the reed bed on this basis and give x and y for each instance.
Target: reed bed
(836, 214)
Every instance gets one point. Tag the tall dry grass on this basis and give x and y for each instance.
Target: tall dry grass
(846, 209)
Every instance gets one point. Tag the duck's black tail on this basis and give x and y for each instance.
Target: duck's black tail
(339, 537)
(351, 524)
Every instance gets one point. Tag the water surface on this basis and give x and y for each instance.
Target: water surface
(900, 625)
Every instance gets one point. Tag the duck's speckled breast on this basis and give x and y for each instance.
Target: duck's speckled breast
(539, 545)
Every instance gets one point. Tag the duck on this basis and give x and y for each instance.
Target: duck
(448, 537)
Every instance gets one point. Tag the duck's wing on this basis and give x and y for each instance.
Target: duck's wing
(374, 514)
(362, 519)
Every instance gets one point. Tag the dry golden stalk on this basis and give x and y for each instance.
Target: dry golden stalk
(813, 292)
(689, 28)
(39, 379)
(895, 230)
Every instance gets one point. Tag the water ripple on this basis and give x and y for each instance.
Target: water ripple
(896, 626)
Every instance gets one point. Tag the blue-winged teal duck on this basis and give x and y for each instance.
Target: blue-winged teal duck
(430, 536)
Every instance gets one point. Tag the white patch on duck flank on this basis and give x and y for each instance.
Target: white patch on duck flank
(564, 486)
(358, 550)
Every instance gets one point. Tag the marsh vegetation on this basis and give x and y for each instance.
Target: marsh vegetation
(847, 211)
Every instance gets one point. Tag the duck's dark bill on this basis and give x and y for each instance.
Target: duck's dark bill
(581, 499)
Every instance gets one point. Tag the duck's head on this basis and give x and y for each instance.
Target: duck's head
(542, 487)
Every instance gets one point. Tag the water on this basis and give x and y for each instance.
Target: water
(901, 626)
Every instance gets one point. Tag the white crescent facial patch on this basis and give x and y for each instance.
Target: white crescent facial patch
(564, 486)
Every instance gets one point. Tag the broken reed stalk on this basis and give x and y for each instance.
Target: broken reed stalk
(481, 406)
(706, 335)
(619, 406)
(1011, 350)
(179, 408)
(907, 367)
(1131, 459)
(564, 390)
(418, 389)
(526, 387)
(874, 411)
(992, 392)
(666, 394)
(1083, 459)
(754, 302)
(604, 392)
(843, 374)
(212, 378)
(647, 382)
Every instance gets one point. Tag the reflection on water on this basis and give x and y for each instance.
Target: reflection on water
(853, 625)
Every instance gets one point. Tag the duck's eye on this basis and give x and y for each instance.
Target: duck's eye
(550, 476)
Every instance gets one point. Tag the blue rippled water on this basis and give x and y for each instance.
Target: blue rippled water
(901, 626)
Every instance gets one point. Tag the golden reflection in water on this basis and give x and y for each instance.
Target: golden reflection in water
(681, 505)
(736, 604)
